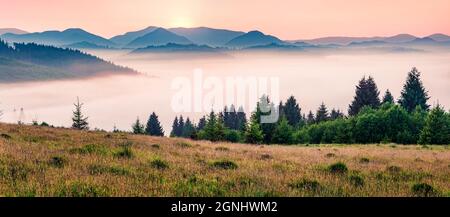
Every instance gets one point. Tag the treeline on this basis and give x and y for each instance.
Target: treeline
(69, 59)
(370, 120)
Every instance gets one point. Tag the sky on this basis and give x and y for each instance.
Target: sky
(287, 19)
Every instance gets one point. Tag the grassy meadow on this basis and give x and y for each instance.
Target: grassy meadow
(41, 161)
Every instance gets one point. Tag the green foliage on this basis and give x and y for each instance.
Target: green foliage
(356, 180)
(322, 114)
(437, 128)
(292, 112)
(423, 190)
(214, 129)
(224, 164)
(388, 98)
(159, 164)
(233, 136)
(82, 189)
(414, 93)
(253, 133)
(125, 151)
(306, 184)
(338, 168)
(138, 127)
(283, 133)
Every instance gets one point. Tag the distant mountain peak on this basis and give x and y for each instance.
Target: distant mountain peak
(253, 38)
(159, 36)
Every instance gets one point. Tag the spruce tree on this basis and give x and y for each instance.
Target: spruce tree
(335, 114)
(180, 128)
(153, 127)
(79, 121)
(414, 93)
(292, 111)
(201, 123)
(437, 127)
(322, 113)
(283, 132)
(175, 127)
(188, 129)
(388, 98)
(241, 119)
(137, 127)
(253, 133)
(366, 94)
(310, 119)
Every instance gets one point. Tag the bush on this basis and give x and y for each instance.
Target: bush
(58, 161)
(364, 160)
(423, 190)
(5, 136)
(225, 164)
(338, 168)
(393, 169)
(232, 136)
(155, 146)
(222, 149)
(125, 151)
(306, 184)
(159, 164)
(356, 180)
(330, 155)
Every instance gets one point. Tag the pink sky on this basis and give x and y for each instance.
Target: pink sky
(287, 19)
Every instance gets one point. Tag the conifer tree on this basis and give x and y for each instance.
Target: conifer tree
(241, 119)
(154, 127)
(175, 127)
(292, 111)
(367, 94)
(137, 127)
(201, 123)
(180, 128)
(335, 114)
(322, 113)
(253, 133)
(188, 129)
(437, 127)
(388, 98)
(310, 119)
(414, 93)
(79, 121)
(283, 132)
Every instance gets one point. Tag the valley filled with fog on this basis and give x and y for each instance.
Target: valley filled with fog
(312, 77)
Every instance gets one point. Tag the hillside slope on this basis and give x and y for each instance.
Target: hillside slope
(42, 161)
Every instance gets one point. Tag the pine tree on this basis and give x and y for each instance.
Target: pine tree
(310, 119)
(201, 123)
(335, 114)
(322, 113)
(414, 93)
(253, 133)
(153, 127)
(437, 127)
(180, 128)
(79, 121)
(175, 127)
(388, 98)
(241, 119)
(137, 127)
(188, 129)
(292, 111)
(367, 94)
(283, 132)
(265, 107)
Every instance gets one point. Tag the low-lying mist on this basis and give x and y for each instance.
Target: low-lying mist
(312, 77)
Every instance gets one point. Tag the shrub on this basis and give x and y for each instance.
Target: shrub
(222, 149)
(125, 151)
(356, 180)
(159, 164)
(266, 157)
(364, 160)
(232, 136)
(393, 169)
(423, 190)
(58, 161)
(338, 168)
(306, 184)
(225, 164)
(330, 155)
(184, 145)
(155, 146)
(5, 136)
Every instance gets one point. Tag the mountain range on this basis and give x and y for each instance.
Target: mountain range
(154, 36)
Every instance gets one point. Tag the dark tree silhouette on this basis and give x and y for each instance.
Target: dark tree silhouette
(79, 121)
(137, 127)
(292, 111)
(153, 127)
(322, 113)
(388, 98)
(367, 94)
(414, 93)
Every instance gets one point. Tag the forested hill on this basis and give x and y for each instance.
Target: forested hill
(27, 62)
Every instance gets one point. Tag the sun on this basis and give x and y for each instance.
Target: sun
(181, 22)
